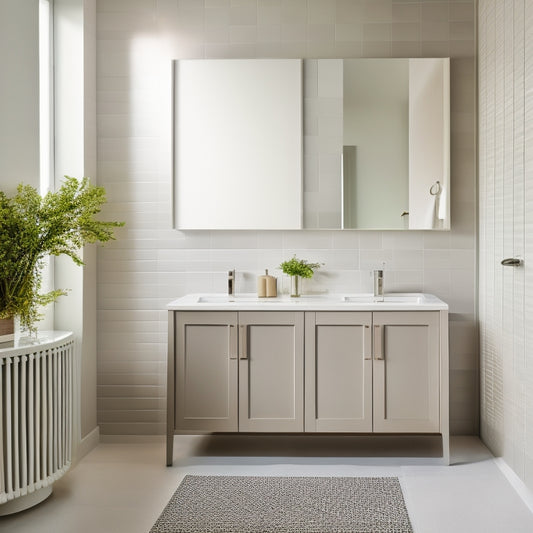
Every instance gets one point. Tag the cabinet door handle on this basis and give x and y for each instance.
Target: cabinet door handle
(367, 343)
(378, 343)
(243, 348)
(232, 348)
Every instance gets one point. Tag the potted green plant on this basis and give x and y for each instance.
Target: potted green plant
(296, 269)
(33, 227)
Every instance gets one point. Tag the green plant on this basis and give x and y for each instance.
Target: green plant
(33, 227)
(299, 267)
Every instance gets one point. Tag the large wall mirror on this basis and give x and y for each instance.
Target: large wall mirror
(396, 144)
(376, 137)
(238, 144)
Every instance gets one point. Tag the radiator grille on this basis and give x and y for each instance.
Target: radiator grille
(35, 419)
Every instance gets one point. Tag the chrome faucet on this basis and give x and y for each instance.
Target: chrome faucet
(378, 286)
(231, 283)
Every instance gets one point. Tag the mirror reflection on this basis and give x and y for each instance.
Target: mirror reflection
(375, 152)
(393, 144)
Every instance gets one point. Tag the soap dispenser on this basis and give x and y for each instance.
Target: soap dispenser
(271, 285)
(267, 286)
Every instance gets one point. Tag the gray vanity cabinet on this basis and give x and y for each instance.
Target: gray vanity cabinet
(406, 372)
(338, 372)
(271, 371)
(372, 372)
(358, 371)
(204, 380)
(237, 371)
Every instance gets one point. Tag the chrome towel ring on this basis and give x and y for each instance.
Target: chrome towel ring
(435, 189)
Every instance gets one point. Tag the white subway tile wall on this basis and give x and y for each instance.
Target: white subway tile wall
(150, 264)
(506, 230)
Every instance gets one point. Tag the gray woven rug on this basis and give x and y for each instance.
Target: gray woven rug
(242, 504)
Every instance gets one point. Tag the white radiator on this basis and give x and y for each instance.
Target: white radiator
(35, 415)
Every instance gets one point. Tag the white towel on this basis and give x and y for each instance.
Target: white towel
(441, 202)
(435, 212)
(428, 220)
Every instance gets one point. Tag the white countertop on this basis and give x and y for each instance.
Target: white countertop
(43, 340)
(326, 302)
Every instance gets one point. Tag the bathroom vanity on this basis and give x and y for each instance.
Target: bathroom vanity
(314, 364)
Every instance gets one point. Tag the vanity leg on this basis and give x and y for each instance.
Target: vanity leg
(170, 449)
(446, 449)
(444, 387)
(171, 392)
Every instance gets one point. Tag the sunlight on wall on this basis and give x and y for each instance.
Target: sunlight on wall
(149, 148)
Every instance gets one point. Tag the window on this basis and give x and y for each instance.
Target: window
(46, 134)
(45, 95)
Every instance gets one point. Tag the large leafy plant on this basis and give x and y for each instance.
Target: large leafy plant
(33, 227)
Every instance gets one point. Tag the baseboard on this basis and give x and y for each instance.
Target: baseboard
(87, 443)
(130, 439)
(521, 488)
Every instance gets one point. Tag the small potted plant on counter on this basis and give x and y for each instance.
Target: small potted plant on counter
(296, 269)
(33, 227)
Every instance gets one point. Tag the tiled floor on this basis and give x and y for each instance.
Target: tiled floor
(124, 487)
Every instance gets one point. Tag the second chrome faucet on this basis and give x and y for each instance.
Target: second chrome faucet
(231, 282)
(378, 286)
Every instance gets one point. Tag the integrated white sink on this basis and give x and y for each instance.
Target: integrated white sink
(222, 298)
(391, 298)
(308, 302)
(251, 299)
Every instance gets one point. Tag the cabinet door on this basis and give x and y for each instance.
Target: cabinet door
(206, 371)
(406, 371)
(271, 371)
(338, 372)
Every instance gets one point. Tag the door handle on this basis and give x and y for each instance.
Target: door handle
(367, 343)
(243, 348)
(378, 343)
(512, 261)
(232, 349)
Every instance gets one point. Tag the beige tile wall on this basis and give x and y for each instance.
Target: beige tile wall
(152, 264)
(506, 230)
